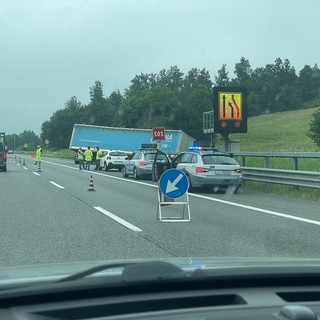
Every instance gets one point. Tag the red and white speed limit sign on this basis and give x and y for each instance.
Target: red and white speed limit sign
(158, 134)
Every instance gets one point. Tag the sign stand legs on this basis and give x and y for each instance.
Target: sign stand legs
(164, 201)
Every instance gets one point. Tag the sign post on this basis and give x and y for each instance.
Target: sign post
(173, 184)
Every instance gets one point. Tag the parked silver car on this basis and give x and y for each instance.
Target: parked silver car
(140, 163)
(209, 169)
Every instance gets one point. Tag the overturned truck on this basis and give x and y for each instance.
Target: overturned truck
(127, 139)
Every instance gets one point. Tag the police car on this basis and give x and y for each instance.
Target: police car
(209, 168)
(140, 163)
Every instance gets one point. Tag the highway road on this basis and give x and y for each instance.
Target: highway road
(50, 216)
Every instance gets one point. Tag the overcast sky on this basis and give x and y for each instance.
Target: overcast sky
(54, 49)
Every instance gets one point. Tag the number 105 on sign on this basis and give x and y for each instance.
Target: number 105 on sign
(158, 134)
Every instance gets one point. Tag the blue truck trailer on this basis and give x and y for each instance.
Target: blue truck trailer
(126, 139)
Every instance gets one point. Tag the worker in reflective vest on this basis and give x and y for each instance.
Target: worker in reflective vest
(80, 159)
(38, 154)
(99, 154)
(88, 158)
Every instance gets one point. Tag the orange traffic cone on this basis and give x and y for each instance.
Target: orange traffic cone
(91, 187)
(39, 167)
(163, 198)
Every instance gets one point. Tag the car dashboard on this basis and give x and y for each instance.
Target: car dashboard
(280, 293)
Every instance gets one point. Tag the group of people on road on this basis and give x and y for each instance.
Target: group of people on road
(85, 158)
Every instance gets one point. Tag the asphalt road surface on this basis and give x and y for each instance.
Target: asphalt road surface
(50, 216)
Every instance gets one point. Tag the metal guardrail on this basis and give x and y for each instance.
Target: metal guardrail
(267, 155)
(293, 177)
(286, 177)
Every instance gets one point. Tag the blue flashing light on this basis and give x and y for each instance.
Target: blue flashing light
(195, 148)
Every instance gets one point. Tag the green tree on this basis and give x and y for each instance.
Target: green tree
(286, 86)
(314, 130)
(222, 79)
(97, 112)
(157, 107)
(197, 77)
(273, 88)
(190, 114)
(58, 129)
(114, 102)
(243, 72)
(140, 84)
(309, 83)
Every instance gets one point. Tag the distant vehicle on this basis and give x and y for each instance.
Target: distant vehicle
(3, 157)
(205, 168)
(113, 159)
(140, 163)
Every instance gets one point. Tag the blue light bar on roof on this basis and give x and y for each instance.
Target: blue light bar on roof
(198, 148)
(195, 148)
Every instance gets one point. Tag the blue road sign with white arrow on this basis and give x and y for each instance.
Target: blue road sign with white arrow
(173, 183)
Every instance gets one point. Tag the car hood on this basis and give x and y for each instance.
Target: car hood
(56, 271)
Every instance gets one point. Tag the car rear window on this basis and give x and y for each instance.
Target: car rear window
(118, 154)
(218, 159)
(151, 156)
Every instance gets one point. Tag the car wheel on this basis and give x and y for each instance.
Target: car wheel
(125, 175)
(135, 174)
(105, 167)
(191, 188)
(4, 169)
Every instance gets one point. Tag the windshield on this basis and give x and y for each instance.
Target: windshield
(191, 78)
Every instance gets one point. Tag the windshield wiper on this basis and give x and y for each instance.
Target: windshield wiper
(135, 271)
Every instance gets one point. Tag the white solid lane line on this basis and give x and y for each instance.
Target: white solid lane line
(57, 185)
(119, 220)
(36, 173)
(273, 213)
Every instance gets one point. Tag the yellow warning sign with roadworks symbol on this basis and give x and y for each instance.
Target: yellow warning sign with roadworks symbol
(230, 105)
(230, 110)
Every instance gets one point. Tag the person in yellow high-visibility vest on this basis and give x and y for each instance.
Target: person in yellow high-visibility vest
(38, 154)
(88, 158)
(99, 154)
(81, 159)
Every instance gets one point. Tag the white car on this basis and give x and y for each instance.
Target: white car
(113, 159)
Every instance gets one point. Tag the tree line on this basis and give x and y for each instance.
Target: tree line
(176, 100)
(26, 140)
